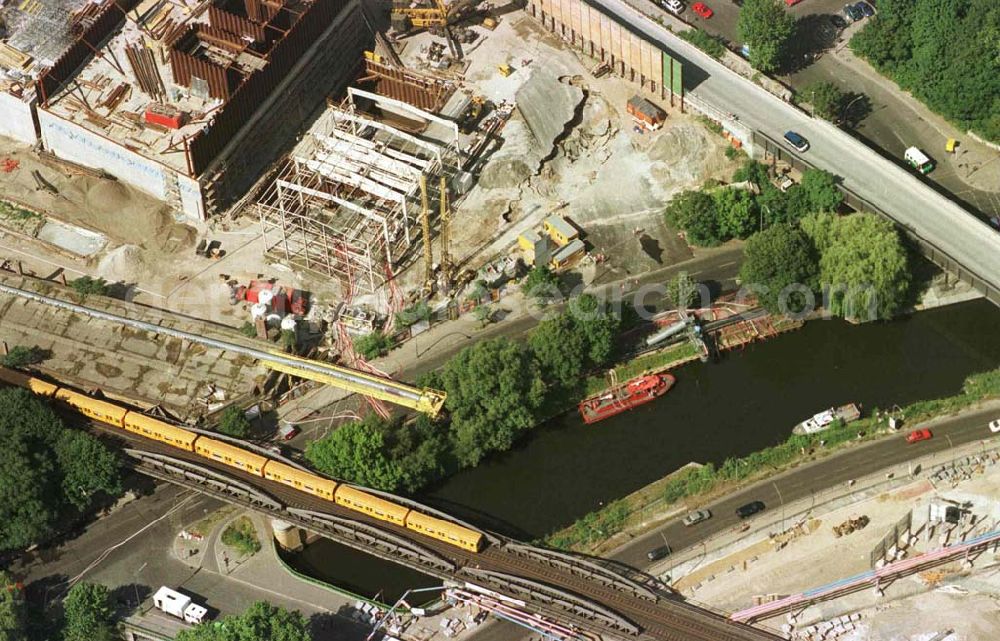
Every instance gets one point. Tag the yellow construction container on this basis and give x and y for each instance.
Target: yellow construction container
(505, 70)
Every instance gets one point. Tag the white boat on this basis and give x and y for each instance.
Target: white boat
(819, 422)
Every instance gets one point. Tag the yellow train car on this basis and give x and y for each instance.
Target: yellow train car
(444, 531)
(303, 481)
(35, 385)
(158, 430)
(94, 408)
(371, 505)
(230, 455)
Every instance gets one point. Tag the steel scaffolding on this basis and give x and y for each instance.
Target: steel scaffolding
(340, 203)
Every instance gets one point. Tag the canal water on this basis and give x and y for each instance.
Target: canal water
(748, 400)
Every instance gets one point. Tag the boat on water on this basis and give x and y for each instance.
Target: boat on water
(819, 422)
(624, 397)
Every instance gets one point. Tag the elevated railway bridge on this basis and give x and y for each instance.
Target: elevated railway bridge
(589, 596)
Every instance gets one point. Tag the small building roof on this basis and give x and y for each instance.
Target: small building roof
(567, 250)
(561, 226)
(646, 108)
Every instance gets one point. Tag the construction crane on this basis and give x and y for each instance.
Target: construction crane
(436, 18)
(425, 221)
(445, 222)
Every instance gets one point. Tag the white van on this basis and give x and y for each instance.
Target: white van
(918, 160)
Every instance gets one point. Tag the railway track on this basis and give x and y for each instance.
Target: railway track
(667, 619)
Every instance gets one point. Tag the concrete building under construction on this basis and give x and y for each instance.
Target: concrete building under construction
(188, 100)
(344, 202)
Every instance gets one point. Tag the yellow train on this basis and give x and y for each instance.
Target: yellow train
(236, 457)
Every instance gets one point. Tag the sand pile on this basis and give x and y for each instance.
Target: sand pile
(123, 264)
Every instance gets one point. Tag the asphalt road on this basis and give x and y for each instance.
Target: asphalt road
(887, 186)
(802, 482)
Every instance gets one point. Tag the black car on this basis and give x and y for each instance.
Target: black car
(656, 554)
(749, 509)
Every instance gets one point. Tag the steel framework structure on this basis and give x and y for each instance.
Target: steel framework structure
(340, 204)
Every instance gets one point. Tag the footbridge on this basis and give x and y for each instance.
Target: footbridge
(583, 595)
(423, 400)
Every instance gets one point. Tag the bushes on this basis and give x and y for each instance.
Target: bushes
(85, 286)
(234, 422)
(242, 537)
(19, 356)
(374, 345)
(712, 45)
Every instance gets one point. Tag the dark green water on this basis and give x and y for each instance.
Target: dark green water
(749, 400)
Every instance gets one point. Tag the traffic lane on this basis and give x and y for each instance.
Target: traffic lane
(887, 186)
(803, 482)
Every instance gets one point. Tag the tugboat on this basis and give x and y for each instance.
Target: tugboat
(625, 397)
(819, 422)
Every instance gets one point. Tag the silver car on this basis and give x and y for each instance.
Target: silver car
(696, 517)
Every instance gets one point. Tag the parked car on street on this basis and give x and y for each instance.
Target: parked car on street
(673, 6)
(702, 10)
(748, 510)
(656, 554)
(865, 8)
(852, 13)
(995, 426)
(696, 517)
(918, 435)
(796, 141)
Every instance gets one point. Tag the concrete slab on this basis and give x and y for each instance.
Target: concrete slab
(77, 240)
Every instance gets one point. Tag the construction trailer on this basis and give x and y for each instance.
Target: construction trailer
(186, 104)
(345, 202)
(645, 113)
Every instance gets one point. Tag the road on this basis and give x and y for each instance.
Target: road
(802, 482)
(897, 192)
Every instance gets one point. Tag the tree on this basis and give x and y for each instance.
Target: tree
(483, 314)
(357, 452)
(85, 286)
(599, 326)
(12, 626)
(737, 212)
(288, 339)
(88, 614)
(260, 621)
(234, 422)
(88, 467)
(682, 292)
(560, 349)
(374, 345)
(767, 28)
(19, 356)
(541, 284)
(415, 313)
(712, 45)
(820, 188)
(695, 213)
(494, 389)
(774, 262)
(826, 99)
(863, 265)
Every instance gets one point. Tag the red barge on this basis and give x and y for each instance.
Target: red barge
(624, 397)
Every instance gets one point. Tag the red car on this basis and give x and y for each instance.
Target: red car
(918, 435)
(701, 10)
(792, 2)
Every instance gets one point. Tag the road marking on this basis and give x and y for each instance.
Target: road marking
(141, 568)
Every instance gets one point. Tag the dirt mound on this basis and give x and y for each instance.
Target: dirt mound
(124, 263)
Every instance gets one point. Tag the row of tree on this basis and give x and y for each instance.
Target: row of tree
(496, 389)
(945, 52)
(48, 473)
(716, 214)
(87, 615)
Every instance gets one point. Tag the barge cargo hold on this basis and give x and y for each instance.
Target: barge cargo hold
(846, 413)
(625, 397)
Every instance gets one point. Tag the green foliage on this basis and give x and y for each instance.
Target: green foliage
(234, 422)
(598, 325)
(768, 29)
(863, 264)
(386, 455)
(483, 314)
(12, 624)
(560, 349)
(85, 286)
(46, 470)
(373, 345)
(88, 614)
(712, 45)
(19, 356)
(820, 188)
(737, 212)
(541, 284)
(288, 339)
(494, 389)
(241, 535)
(689, 482)
(778, 258)
(682, 292)
(944, 52)
(826, 99)
(695, 213)
(415, 313)
(248, 329)
(594, 527)
(260, 621)
(711, 125)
